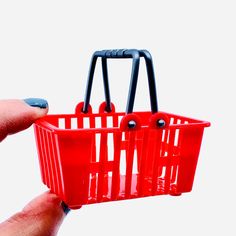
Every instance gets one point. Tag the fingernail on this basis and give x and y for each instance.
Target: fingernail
(36, 102)
(65, 208)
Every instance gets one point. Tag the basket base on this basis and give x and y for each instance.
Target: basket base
(94, 196)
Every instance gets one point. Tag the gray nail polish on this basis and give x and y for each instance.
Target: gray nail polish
(65, 208)
(36, 102)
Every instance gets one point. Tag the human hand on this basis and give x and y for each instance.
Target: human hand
(43, 215)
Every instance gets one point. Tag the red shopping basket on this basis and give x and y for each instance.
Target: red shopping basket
(91, 157)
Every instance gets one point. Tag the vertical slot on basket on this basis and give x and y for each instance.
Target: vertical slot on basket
(168, 136)
(110, 146)
(116, 166)
(41, 153)
(129, 162)
(174, 174)
(102, 189)
(161, 180)
(61, 123)
(109, 186)
(47, 159)
(93, 187)
(98, 123)
(123, 162)
(135, 163)
(74, 123)
(176, 141)
(163, 135)
(98, 141)
(169, 159)
(164, 140)
(163, 172)
(171, 121)
(157, 163)
(123, 136)
(122, 173)
(57, 165)
(134, 174)
(175, 156)
(86, 123)
(142, 162)
(52, 163)
(109, 122)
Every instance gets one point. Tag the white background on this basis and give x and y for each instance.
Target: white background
(45, 50)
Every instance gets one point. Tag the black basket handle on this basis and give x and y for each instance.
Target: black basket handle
(122, 53)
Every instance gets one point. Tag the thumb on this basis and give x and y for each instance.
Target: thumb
(16, 115)
(41, 217)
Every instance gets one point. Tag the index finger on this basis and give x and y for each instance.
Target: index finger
(17, 115)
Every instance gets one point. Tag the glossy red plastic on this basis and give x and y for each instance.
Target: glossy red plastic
(96, 157)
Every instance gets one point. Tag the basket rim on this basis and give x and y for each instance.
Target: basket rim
(44, 123)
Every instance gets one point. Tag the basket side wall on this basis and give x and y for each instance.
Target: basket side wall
(190, 148)
(75, 155)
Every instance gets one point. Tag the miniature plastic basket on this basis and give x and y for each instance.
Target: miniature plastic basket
(91, 157)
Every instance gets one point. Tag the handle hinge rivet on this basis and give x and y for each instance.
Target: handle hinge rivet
(161, 123)
(131, 124)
